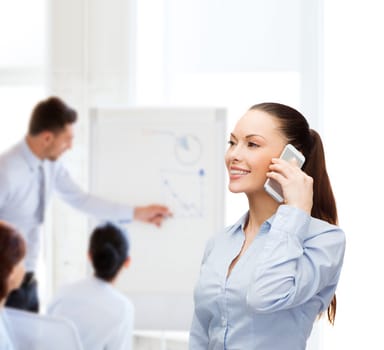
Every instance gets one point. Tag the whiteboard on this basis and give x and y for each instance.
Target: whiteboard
(172, 156)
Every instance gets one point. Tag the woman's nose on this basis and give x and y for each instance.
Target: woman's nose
(234, 153)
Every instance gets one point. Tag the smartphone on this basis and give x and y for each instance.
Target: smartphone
(272, 187)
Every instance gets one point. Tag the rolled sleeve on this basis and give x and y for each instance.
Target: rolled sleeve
(303, 258)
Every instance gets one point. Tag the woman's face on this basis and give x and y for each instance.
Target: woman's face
(16, 276)
(255, 140)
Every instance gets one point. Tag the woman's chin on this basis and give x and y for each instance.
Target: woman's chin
(235, 189)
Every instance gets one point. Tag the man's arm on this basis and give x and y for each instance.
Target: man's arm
(106, 209)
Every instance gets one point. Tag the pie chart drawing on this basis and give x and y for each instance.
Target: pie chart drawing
(188, 149)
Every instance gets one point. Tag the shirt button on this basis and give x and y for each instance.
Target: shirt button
(223, 321)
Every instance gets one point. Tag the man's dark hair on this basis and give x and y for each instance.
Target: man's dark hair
(52, 115)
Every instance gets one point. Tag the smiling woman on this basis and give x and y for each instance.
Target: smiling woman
(254, 142)
(278, 261)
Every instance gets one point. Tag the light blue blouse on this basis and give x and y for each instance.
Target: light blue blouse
(104, 317)
(5, 340)
(286, 277)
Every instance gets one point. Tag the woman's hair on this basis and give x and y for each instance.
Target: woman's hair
(108, 248)
(295, 128)
(12, 251)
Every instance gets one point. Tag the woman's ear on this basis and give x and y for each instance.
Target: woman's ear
(11, 284)
(16, 277)
(127, 262)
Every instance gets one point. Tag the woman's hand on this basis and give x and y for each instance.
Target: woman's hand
(297, 186)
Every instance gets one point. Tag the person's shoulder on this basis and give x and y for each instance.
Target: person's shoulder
(221, 237)
(118, 306)
(235, 226)
(11, 159)
(62, 295)
(320, 224)
(71, 288)
(128, 304)
(318, 227)
(121, 298)
(72, 291)
(12, 168)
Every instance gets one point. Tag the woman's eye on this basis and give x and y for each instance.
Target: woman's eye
(252, 145)
(230, 143)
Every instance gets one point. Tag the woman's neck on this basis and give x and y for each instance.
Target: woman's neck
(260, 209)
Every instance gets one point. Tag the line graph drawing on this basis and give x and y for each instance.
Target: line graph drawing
(184, 192)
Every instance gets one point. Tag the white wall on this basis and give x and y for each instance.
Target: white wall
(88, 65)
(22, 59)
(354, 75)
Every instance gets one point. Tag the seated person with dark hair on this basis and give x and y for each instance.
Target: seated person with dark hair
(102, 315)
(12, 252)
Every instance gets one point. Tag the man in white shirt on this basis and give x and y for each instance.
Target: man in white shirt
(31, 170)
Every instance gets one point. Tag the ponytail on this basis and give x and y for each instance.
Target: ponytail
(324, 204)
